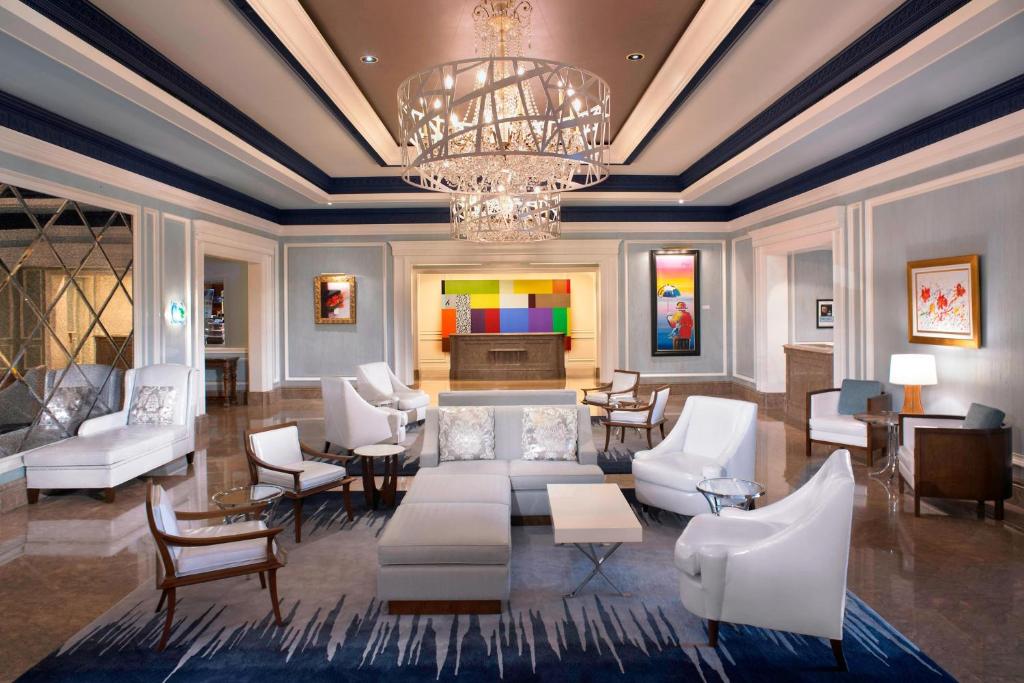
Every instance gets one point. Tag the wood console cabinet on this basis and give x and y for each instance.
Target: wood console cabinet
(808, 368)
(504, 356)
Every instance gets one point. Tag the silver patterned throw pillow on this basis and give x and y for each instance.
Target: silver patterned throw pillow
(153, 406)
(65, 406)
(466, 433)
(549, 433)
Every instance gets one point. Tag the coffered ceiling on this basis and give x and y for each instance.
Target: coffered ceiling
(266, 101)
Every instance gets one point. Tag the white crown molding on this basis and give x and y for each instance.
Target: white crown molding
(459, 252)
(36, 31)
(32, 149)
(293, 27)
(391, 230)
(1002, 130)
(732, 301)
(960, 28)
(705, 33)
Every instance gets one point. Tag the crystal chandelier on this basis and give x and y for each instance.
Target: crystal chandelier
(504, 132)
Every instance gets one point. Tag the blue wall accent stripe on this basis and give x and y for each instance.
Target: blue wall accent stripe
(254, 19)
(902, 25)
(92, 25)
(27, 118)
(753, 12)
(1001, 100)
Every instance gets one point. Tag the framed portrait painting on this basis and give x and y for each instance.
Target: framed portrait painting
(824, 315)
(334, 299)
(675, 303)
(944, 301)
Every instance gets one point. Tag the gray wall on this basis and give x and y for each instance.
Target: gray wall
(810, 279)
(743, 335)
(235, 276)
(637, 320)
(318, 350)
(982, 216)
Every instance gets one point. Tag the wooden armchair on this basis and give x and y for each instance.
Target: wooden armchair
(209, 553)
(826, 425)
(641, 416)
(624, 385)
(276, 456)
(939, 458)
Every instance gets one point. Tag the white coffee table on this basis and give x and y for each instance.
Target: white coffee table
(589, 515)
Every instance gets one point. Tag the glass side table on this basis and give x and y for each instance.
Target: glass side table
(729, 492)
(247, 496)
(889, 419)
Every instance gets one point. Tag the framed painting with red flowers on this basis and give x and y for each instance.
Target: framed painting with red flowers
(944, 301)
(334, 298)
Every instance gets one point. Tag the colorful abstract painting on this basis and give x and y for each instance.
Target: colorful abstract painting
(944, 306)
(334, 298)
(675, 303)
(492, 306)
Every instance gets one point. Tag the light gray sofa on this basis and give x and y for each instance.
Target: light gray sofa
(528, 478)
(501, 397)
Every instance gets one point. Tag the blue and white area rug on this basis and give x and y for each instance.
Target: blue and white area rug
(337, 630)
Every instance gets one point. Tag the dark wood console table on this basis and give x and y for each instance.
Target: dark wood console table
(509, 355)
(228, 368)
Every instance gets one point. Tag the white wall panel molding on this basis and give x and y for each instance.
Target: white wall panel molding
(708, 29)
(732, 306)
(43, 35)
(960, 28)
(383, 246)
(684, 244)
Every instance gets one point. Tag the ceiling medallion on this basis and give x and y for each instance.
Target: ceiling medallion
(504, 132)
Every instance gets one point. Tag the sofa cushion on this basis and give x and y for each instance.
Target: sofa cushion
(838, 424)
(66, 405)
(207, 558)
(466, 488)
(549, 433)
(411, 400)
(466, 433)
(105, 448)
(854, 395)
(313, 474)
(446, 533)
(153, 406)
(983, 417)
(708, 531)
(465, 467)
(631, 416)
(537, 474)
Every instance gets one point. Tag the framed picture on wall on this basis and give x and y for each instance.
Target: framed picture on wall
(823, 314)
(675, 302)
(334, 299)
(944, 301)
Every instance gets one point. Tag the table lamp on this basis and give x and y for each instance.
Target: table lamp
(912, 370)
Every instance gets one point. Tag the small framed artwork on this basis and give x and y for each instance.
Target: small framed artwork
(826, 319)
(334, 299)
(944, 301)
(675, 302)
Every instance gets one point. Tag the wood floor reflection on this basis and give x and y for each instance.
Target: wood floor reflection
(952, 584)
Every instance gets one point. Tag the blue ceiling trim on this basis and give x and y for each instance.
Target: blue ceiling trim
(902, 25)
(749, 16)
(998, 101)
(27, 118)
(254, 19)
(92, 25)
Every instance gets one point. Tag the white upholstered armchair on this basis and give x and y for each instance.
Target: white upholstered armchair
(830, 418)
(377, 382)
(351, 422)
(624, 385)
(714, 437)
(781, 567)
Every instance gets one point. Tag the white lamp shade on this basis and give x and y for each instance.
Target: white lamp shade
(916, 369)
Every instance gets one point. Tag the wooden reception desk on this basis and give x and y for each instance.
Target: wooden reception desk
(507, 355)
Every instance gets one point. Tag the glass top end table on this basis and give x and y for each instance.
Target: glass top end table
(723, 492)
(247, 496)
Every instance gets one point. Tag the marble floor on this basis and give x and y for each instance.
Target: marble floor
(951, 583)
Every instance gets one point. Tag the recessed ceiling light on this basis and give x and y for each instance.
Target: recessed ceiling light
(330, 203)
(682, 201)
(369, 59)
(635, 56)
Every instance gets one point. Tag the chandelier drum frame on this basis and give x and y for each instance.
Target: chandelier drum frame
(504, 218)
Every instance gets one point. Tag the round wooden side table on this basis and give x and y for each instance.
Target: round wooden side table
(389, 487)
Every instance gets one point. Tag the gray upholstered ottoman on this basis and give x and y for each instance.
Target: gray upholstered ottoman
(447, 549)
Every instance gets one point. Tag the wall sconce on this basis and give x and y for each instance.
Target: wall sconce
(176, 313)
